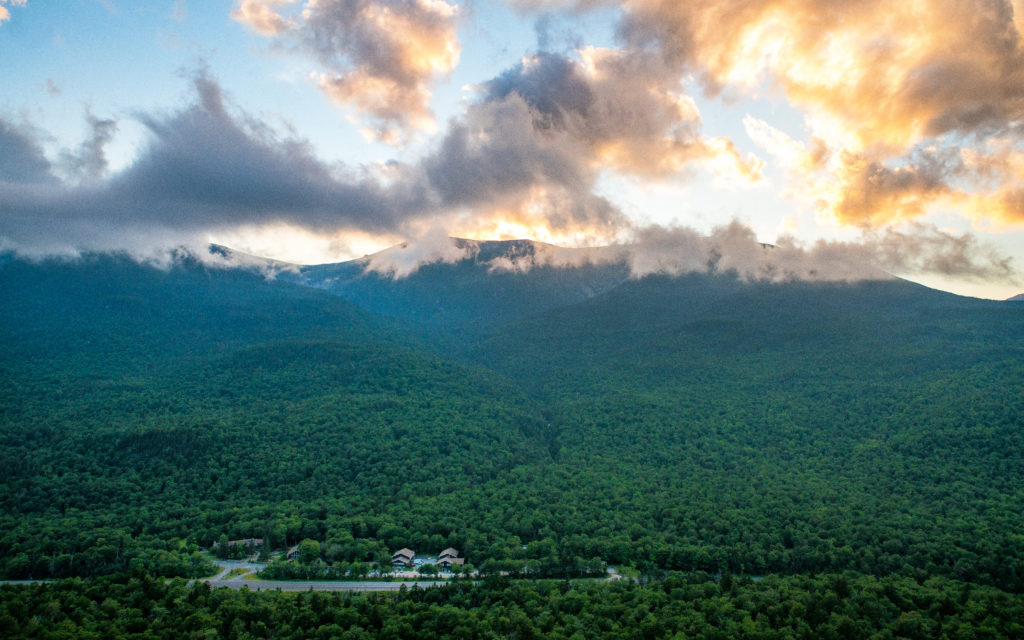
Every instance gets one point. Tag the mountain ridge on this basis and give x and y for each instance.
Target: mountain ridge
(472, 287)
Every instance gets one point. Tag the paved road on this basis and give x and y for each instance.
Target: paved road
(24, 581)
(288, 585)
(227, 565)
(237, 582)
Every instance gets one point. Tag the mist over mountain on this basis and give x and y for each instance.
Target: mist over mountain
(454, 285)
(484, 286)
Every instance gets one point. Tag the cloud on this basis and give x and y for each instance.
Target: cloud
(260, 16)
(204, 169)
(868, 191)
(623, 108)
(22, 160)
(1000, 166)
(379, 57)
(872, 193)
(915, 250)
(209, 168)
(925, 249)
(523, 160)
(889, 96)
(89, 161)
(496, 159)
(5, 13)
(516, 158)
(887, 78)
(434, 246)
(859, 189)
(179, 11)
(734, 248)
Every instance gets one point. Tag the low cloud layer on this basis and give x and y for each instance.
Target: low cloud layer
(733, 248)
(433, 247)
(377, 57)
(917, 250)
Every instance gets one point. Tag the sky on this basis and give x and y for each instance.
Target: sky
(321, 130)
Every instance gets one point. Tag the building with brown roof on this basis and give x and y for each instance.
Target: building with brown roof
(448, 558)
(403, 558)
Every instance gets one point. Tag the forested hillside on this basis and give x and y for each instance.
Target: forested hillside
(146, 408)
(693, 424)
(761, 428)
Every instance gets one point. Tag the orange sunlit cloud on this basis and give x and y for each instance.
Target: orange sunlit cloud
(260, 16)
(886, 76)
(1000, 165)
(380, 58)
(5, 14)
(888, 92)
(622, 111)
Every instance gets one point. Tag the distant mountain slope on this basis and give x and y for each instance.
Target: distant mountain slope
(718, 314)
(104, 312)
(474, 294)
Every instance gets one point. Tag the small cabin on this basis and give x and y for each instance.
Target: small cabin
(403, 558)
